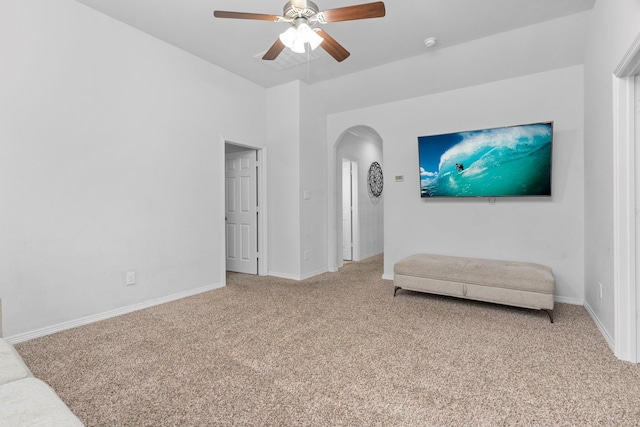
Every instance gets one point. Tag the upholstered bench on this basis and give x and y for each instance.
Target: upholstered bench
(520, 284)
(26, 401)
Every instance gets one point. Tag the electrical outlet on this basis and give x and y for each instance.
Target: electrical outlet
(131, 278)
(600, 285)
(306, 254)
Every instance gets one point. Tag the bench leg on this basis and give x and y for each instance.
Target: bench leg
(550, 313)
(395, 289)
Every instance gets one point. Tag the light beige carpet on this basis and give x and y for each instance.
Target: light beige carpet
(337, 350)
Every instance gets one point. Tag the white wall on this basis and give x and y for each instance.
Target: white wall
(283, 169)
(364, 149)
(110, 144)
(313, 172)
(544, 230)
(297, 164)
(550, 45)
(613, 27)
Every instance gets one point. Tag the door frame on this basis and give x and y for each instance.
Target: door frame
(355, 217)
(261, 162)
(625, 234)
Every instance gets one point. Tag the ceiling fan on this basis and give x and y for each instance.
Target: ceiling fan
(303, 15)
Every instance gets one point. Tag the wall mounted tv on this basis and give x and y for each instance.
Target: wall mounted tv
(499, 162)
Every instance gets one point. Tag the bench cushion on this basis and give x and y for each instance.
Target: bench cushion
(477, 271)
(12, 366)
(31, 402)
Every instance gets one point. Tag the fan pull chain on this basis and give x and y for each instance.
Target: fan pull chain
(308, 66)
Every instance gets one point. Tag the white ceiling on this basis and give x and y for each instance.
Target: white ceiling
(232, 43)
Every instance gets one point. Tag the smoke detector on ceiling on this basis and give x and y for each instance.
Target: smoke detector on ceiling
(430, 42)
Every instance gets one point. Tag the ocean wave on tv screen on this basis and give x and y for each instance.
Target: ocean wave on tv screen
(498, 162)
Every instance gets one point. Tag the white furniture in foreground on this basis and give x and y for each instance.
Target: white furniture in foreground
(520, 284)
(26, 401)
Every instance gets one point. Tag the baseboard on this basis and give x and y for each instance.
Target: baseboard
(313, 273)
(15, 339)
(387, 276)
(369, 255)
(295, 276)
(568, 300)
(284, 275)
(603, 331)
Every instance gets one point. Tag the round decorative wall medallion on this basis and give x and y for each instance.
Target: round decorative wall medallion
(376, 181)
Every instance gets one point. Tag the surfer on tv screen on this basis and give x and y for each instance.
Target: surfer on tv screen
(459, 167)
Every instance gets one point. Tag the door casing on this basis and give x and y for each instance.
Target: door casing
(262, 162)
(347, 210)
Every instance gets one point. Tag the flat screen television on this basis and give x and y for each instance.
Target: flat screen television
(499, 162)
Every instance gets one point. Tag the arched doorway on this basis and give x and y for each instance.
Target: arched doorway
(353, 153)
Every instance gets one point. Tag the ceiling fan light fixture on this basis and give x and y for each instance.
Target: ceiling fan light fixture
(298, 46)
(315, 39)
(289, 37)
(296, 37)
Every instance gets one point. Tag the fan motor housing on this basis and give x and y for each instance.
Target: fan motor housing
(292, 12)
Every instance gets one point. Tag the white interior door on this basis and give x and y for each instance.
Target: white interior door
(347, 212)
(241, 212)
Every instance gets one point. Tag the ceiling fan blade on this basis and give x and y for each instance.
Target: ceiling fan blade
(332, 47)
(244, 15)
(351, 13)
(274, 51)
